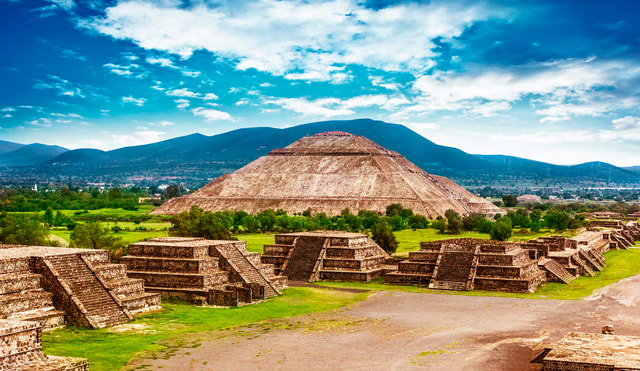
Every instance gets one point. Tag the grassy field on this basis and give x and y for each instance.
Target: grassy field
(159, 333)
(620, 264)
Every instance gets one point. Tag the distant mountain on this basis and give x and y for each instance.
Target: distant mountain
(196, 159)
(25, 155)
(590, 171)
(9, 146)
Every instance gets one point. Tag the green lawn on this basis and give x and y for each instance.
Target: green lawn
(160, 332)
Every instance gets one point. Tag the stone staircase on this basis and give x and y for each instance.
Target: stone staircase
(302, 260)
(583, 265)
(588, 258)
(87, 292)
(246, 269)
(455, 270)
(23, 298)
(556, 270)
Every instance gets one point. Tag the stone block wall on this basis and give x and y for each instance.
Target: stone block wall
(20, 349)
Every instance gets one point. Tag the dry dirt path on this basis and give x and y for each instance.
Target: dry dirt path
(404, 331)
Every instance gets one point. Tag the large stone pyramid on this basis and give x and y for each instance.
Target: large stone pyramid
(329, 172)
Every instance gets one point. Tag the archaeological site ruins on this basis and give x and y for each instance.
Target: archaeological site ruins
(329, 172)
(203, 271)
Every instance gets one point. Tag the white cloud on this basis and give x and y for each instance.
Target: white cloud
(212, 114)
(8, 109)
(330, 107)
(164, 62)
(182, 103)
(184, 92)
(131, 70)
(137, 101)
(66, 88)
(380, 81)
(299, 39)
(6, 116)
(266, 84)
(564, 89)
(43, 121)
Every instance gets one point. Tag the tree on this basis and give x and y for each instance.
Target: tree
(394, 209)
(509, 200)
(501, 230)
(23, 230)
(473, 221)
(93, 235)
(557, 219)
(454, 224)
(382, 234)
(172, 191)
(418, 221)
(199, 223)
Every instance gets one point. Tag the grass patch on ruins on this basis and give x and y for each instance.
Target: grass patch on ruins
(621, 264)
(409, 239)
(256, 241)
(152, 334)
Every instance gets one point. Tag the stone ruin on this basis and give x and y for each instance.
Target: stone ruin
(203, 271)
(21, 349)
(55, 286)
(331, 255)
(329, 172)
(468, 264)
(592, 352)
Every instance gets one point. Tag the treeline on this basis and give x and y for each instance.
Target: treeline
(27, 200)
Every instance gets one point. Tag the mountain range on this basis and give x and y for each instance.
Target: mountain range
(196, 159)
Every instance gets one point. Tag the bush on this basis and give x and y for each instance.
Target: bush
(501, 230)
(382, 234)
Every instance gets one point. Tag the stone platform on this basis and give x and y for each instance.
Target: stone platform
(330, 255)
(55, 286)
(581, 352)
(203, 271)
(468, 264)
(21, 350)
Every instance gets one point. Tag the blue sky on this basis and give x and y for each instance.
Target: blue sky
(556, 81)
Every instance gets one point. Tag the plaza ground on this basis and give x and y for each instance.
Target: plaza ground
(400, 331)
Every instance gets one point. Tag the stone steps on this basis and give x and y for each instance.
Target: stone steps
(248, 271)
(595, 264)
(557, 270)
(102, 310)
(582, 264)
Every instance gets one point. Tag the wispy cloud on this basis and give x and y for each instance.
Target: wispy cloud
(67, 88)
(132, 70)
(212, 114)
(186, 93)
(137, 101)
(332, 107)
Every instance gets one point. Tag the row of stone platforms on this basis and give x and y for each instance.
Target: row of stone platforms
(468, 264)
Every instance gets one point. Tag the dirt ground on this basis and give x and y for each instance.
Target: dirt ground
(404, 331)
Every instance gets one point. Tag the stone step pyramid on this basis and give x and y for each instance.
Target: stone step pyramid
(329, 172)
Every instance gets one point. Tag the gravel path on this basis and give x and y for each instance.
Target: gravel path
(404, 331)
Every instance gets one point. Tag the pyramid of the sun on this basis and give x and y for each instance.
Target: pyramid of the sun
(329, 172)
